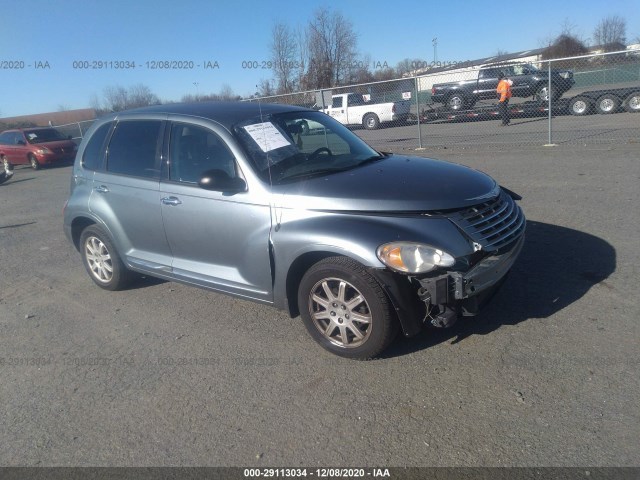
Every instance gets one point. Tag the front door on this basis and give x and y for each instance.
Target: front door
(219, 240)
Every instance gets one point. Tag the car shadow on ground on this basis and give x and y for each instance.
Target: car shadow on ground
(556, 268)
(13, 181)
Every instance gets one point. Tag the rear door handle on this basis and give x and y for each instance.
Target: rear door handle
(101, 189)
(171, 201)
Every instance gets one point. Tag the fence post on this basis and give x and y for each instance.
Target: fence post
(418, 114)
(550, 142)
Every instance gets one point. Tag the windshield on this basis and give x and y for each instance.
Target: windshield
(291, 146)
(526, 69)
(43, 135)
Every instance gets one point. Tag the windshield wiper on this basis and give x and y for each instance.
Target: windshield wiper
(372, 159)
(316, 172)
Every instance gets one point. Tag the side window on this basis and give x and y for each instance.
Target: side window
(337, 102)
(133, 148)
(194, 150)
(94, 151)
(355, 100)
(5, 138)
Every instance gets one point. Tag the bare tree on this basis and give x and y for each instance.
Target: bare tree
(408, 65)
(564, 46)
(611, 30)
(226, 93)
(284, 57)
(117, 98)
(265, 88)
(141, 96)
(332, 47)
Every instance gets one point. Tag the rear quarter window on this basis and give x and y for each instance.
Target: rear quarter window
(133, 148)
(94, 151)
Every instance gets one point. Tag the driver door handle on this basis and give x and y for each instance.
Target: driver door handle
(171, 201)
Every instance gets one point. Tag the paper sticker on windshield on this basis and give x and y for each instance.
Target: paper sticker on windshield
(267, 136)
(32, 136)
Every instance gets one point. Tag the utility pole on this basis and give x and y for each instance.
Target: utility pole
(197, 93)
(435, 49)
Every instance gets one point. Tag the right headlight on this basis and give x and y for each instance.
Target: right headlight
(411, 257)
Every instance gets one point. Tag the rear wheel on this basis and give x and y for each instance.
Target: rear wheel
(542, 94)
(102, 261)
(607, 103)
(371, 121)
(456, 102)
(6, 164)
(632, 102)
(580, 106)
(345, 309)
(33, 161)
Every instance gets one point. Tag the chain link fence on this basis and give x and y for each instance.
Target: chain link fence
(76, 130)
(585, 99)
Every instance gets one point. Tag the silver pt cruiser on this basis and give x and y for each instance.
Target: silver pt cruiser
(285, 206)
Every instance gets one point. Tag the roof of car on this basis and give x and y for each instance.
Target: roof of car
(225, 113)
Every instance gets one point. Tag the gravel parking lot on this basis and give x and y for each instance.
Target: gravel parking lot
(165, 374)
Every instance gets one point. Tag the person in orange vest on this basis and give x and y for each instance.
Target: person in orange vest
(504, 94)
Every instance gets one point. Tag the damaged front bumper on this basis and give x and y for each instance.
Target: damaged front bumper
(466, 292)
(441, 300)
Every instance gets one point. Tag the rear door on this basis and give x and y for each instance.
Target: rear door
(219, 240)
(126, 194)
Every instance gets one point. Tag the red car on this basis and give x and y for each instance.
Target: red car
(35, 147)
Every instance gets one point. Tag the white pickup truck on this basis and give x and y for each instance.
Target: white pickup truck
(352, 109)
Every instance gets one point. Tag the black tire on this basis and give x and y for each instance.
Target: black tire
(580, 106)
(102, 261)
(541, 94)
(370, 121)
(456, 102)
(607, 104)
(33, 161)
(632, 102)
(345, 309)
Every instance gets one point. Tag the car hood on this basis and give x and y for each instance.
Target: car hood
(55, 144)
(393, 184)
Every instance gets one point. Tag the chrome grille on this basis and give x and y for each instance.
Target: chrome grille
(492, 224)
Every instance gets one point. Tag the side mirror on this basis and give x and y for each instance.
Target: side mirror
(220, 181)
(21, 142)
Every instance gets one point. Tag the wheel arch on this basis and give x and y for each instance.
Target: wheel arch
(408, 309)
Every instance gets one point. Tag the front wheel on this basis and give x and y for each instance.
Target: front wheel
(345, 309)
(34, 162)
(101, 260)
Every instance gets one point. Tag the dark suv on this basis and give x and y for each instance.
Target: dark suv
(36, 147)
(285, 206)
